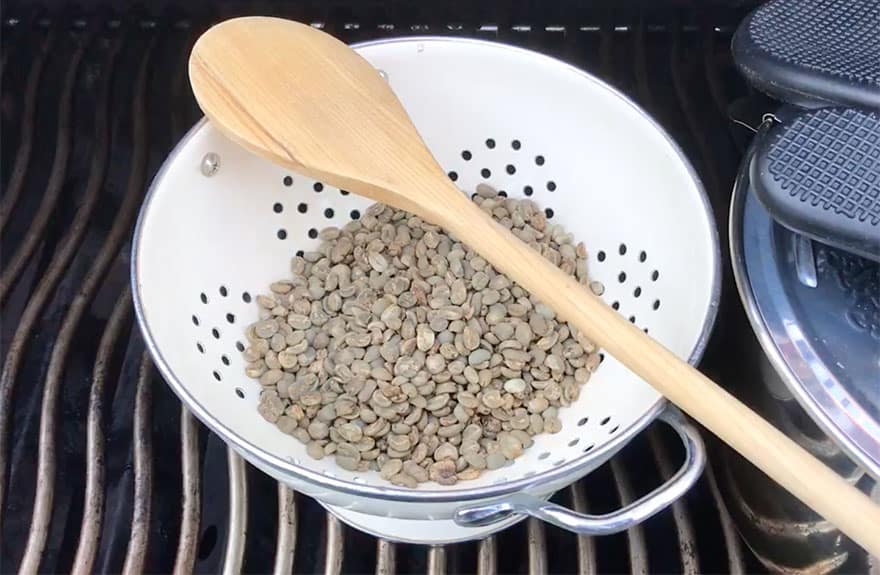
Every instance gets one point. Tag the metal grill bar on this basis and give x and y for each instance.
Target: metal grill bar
(710, 173)
(487, 562)
(436, 560)
(185, 559)
(4, 58)
(335, 546)
(537, 547)
(606, 51)
(286, 543)
(188, 540)
(37, 225)
(48, 420)
(26, 139)
(586, 546)
(386, 557)
(181, 115)
(711, 71)
(638, 551)
(732, 542)
(640, 68)
(92, 520)
(684, 528)
(233, 558)
(58, 265)
(142, 443)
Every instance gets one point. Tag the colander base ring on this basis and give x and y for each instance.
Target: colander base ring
(417, 531)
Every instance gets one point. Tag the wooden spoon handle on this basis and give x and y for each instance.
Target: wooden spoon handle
(725, 416)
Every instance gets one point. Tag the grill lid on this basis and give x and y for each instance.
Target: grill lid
(816, 312)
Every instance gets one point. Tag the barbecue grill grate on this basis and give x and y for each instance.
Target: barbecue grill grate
(101, 467)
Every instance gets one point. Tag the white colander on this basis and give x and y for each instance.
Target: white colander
(220, 224)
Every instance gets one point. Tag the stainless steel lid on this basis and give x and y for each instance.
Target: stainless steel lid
(816, 312)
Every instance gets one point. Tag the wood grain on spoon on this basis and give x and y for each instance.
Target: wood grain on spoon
(302, 99)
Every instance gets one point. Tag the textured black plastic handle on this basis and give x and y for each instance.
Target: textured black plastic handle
(818, 173)
(813, 52)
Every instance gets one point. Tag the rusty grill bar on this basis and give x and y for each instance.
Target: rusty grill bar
(101, 469)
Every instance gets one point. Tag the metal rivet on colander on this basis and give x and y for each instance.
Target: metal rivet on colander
(210, 164)
(383, 74)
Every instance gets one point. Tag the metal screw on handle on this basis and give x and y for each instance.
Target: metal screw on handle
(210, 164)
(616, 521)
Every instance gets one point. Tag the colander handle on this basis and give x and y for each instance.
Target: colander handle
(616, 521)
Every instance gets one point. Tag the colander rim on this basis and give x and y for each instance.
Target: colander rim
(577, 467)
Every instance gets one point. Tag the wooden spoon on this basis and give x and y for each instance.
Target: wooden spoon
(302, 99)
